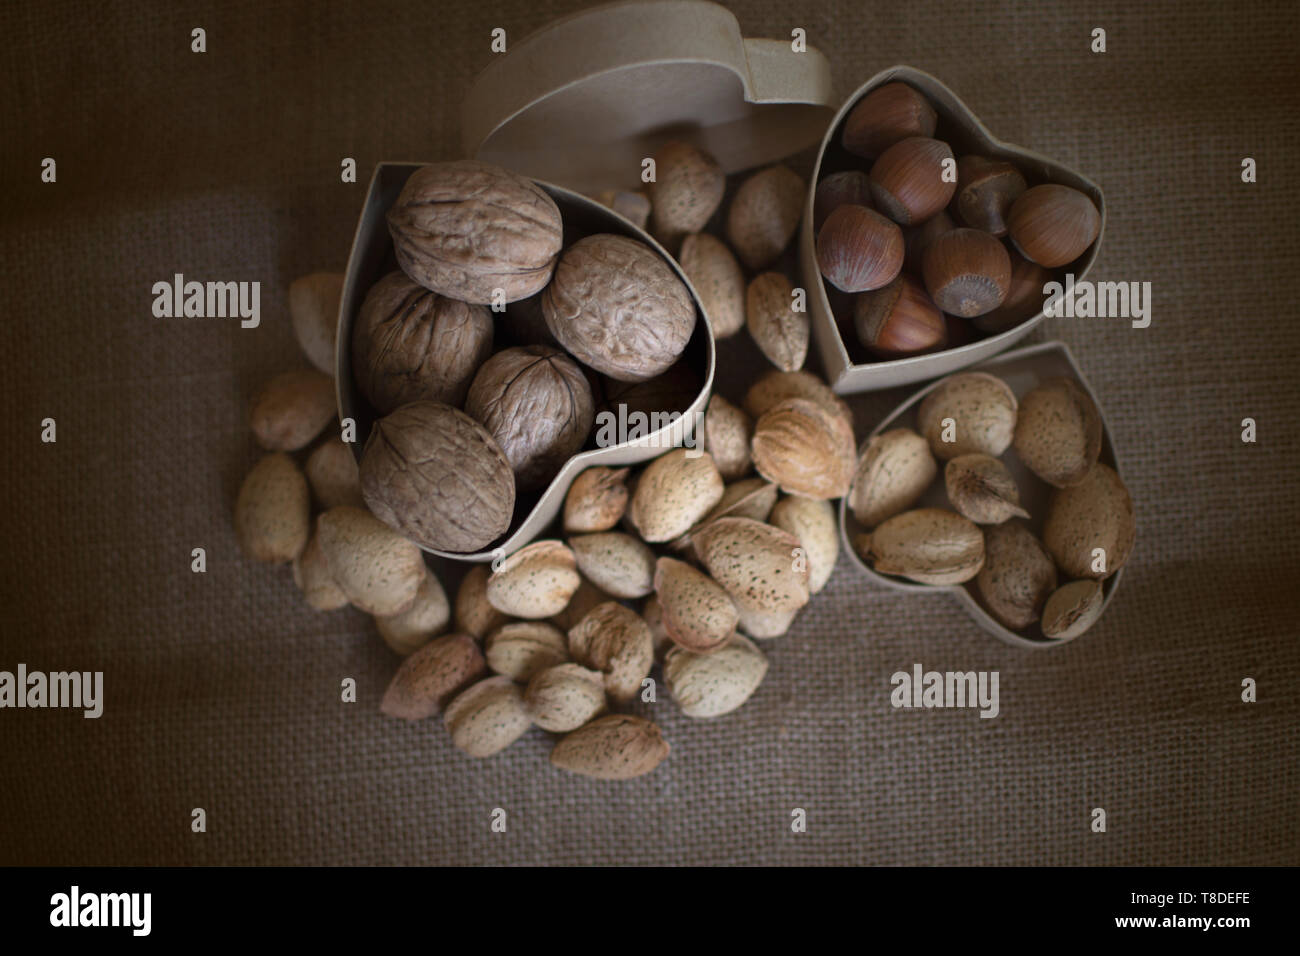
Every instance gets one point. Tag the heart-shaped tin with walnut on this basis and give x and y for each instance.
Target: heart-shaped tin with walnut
(1022, 370)
(849, 366)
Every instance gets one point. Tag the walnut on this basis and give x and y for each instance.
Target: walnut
(438, 477)
(619, 308)
(464, 229)
(411, 344)
(536, 403)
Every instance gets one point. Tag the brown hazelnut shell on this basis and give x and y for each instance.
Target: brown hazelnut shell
(858, 249)
(884, 116)
(907, 181)
(899, 319)
(967, 272)
(849, 187)
(1024, 297)
(1053, 224)
(986, 189)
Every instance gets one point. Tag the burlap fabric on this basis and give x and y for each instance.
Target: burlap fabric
(222, 689)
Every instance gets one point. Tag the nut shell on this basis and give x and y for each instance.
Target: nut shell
(982, 408)
(1024, 299)
(617, 563)
(1096, 513)
(431, 675)
(410, 344)
(311, 572)
(858, 249)
(710, 685)
(521, 649)
(967, 272)
(674, 492)
(1053, 225)
(487, 717)
(474, 614)
(438, 476)
(804, 449)
(780, 332)
(536, 581)
(884, 116)
(314, 314)
(292, 409)
(907, 181)
(980, 488)
(814, 524)
(986, 188)
(616, 747)
(379, 570)
(536, 403)
(1058, 432)
(614, 640)
(894, 471)
(618, 308)
(899, 319)
(727, 432)
(1017, 577)
(764, 215)
(273, 511)
(331, 471)
(465, 229)
(596, 500)
(1072, 609)
(687, 190)
(776, 386)
(564, 697)
(411, 629)
(696, 611)
(928, 545)
(851, 187)
(718, 281)
(754, 563)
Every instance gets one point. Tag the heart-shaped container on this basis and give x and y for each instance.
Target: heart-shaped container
(849, 367)
(576, 107)
(1022, 370)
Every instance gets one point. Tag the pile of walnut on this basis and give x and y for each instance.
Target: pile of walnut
(682, 565)
(968, 420)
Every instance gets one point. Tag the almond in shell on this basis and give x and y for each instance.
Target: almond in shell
(273, 511)
(615, 747)
(474, 615)
(616, 563)
(614, 640)
(776, 386)
(980, 487)
(697, 613)
(536, 581)
(710, 685)
(893, 472)
(431, 676)
(764, 215)
(968, 412)
(1091, 526)
(780, 332)
(804, 449)
(727, 431)
(311, 572)
(379, 570)
(755, 563)
(564, 697)
(520, 649)
(487, 717)
(1058, 432)
(813, 523)
(674, 492)
(596, 500)
(418, 624)
(929, 546)
(1017, 577)
(1072, 609)
(716, 276)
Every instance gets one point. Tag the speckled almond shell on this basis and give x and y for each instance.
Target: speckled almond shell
(536, 581)
(311, 572)
(764, 215)
(520, 649)
(804, 449)
(616, 747)
(814, 524)
(894, 471)
(618, 308)
(1017, 576)
(331, 471)
(1072, 609)
(617, 563)
(1096, 513)
(710, 685)
(564, 697)
(474, 615)
(292, 409)
(584, 599)
(465, 229)
(687, 190)
(273, 511)
(754, 562)
(697, 613)
(438, 477)
(764, 625)
(747, 498)
(614, 640)
(1058, 432)
(596, 500)
(982, 406)
(378, 569)
(727, 431)
(981, 488)
(780, 332)
(674, 492)
(930, 546)
(432, 675)
(413, 628)
(777, 386)
(487, 717)
(718, 281)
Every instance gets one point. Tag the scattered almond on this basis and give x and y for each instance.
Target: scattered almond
(616, 747)
(432, 675)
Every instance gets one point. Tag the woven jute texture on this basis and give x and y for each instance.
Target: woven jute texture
(222, 690)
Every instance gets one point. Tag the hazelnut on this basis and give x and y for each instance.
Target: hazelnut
(850, 187)
(619, 308)
(411, 344)
(536, 403)
(916, 239)
(967, 272)
(986, 188)
(899, 319)
(1053, 225)
(858, 249)
(884, 116)
(907, 180)
(466, 229)
(438, 477)
(1024, 297)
